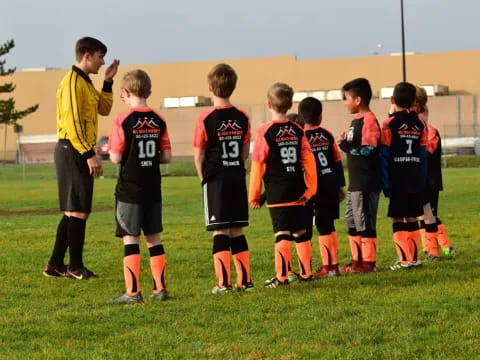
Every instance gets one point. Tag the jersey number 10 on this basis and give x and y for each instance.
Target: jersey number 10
(146, 149)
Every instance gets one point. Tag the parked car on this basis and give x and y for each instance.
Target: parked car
(101, 149)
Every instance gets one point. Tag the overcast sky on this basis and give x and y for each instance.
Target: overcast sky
(154, 31)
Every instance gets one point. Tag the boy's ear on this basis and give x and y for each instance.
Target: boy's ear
(320, 118)
(392, 101)
(148, 95)
(269, 105)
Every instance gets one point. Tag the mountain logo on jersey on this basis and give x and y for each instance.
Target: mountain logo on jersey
(229, 127)
(404, 129)
(146, 126)
(318, 140)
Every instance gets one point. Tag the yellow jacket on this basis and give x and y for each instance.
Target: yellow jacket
(78, 106)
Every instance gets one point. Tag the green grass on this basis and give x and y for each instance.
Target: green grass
(429, 313)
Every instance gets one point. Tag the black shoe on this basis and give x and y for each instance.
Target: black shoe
(55, 271)
(80, 274)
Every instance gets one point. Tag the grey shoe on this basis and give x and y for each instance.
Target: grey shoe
(217, 290)
(127, 299)
(160, 296)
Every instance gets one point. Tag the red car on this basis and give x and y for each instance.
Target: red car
(101, 149)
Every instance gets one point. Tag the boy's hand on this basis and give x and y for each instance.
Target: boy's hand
(341, 195)
(95, 166)
(111, 70)
(341, 137)
(255, 205)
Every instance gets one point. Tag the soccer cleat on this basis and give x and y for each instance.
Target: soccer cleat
(353, 267)
(417, 263)
(309, 278)
(431, 257)
(128, 299)
(448, 251)
(274, 282)
(326, 271)
(55, 271)
(247, 288)
(217, 290)
(399, 266)
(160, 296)
(80, 274)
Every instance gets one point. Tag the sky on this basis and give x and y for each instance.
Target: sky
(158, 31)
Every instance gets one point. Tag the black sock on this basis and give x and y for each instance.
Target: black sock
(61, 243)
(76, 240)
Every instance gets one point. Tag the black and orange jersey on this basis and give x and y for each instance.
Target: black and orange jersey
(403, 153)
(280, 156)
(434, 152)
(139, 135)
(330, 176)
(361, 146)
(222, 131)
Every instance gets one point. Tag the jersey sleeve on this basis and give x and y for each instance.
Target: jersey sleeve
(370, 131)
(310, 168)
(200, 138)
(116, 139)
(248, 135)
(260, 147)
(433, 139)
(386, 142)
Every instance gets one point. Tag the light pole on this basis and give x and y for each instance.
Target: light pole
(404, 66)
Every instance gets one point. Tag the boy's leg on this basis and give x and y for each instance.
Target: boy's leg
(414, 238)
(431, 229)
(283, 255)
(241, 257)
(221, 258)
(157, 262)
(328, 242)
(303, 245)
(401, 242)
(369, 234)
(131, 265)
(443, 238)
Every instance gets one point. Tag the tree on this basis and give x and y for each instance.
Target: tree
(8, 114)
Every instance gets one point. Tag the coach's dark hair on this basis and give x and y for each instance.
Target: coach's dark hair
(88, 45)
(309, 109)
(404, 94)
(359, 87)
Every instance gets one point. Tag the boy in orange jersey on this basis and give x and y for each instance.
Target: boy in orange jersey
(139, 142)
(403, 169)
(432, 229)
(284, 161)
(330, 183)
(221, 146)
(361, 145)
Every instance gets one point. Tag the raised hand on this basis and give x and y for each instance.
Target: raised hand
(111, 70)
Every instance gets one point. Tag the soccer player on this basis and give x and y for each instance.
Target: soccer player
(221, 146)
(361, 143)
(403, 169)
(78, 106)
(280, 158)
(431, 227)
(139, 142)
(330, 183)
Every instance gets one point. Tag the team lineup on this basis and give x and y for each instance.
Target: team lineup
(296, 171)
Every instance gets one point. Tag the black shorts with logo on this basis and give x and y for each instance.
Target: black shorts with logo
(75, 184)
(225, 202)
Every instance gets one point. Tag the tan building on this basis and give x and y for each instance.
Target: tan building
(454, 115)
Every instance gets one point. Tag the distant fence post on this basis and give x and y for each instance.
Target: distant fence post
(459, 117)
(475, 134)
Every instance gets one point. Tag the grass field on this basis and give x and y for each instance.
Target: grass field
(428, 313)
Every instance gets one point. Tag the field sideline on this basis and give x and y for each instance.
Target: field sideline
(429, 313)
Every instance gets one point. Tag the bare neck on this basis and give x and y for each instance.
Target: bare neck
(218, 101)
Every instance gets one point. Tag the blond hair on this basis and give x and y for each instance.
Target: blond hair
(280, 96)
(421, 99)
(137, 82)
(222, 80)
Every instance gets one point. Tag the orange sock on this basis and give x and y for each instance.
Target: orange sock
(283, 257)
(369, 249)
(400, 239)
(431, 239)
(422, 236)
(241, 259)
(329, 248)
(221, 259)
(304, 252)
(356, 248)
(157, 266)
(442, 237)
(414, 236)
(131, 272)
